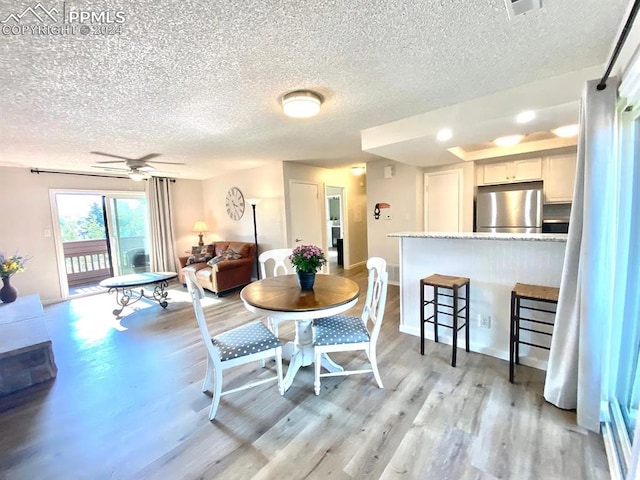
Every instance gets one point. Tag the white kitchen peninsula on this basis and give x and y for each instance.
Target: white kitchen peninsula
(494, 262)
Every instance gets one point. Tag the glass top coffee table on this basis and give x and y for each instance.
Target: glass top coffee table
(124, 286)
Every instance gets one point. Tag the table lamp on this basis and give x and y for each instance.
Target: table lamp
(200, 227)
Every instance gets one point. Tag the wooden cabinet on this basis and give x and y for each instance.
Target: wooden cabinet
(559, 178)
(513, 171)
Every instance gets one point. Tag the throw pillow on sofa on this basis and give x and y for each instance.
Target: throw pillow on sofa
(230, 254)
(214, 260)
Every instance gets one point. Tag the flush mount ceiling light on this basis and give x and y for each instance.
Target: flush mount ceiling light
(508, 141)
(357, 171)
(526, 116)
(444, 135)
(566, 131)
(301, 104)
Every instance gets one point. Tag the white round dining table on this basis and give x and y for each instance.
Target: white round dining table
(282, 299)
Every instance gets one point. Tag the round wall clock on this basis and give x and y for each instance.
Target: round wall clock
(234, 203)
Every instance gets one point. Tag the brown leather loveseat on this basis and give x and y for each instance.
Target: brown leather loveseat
(226, 265)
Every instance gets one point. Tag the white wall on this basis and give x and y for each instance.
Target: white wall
(404, 192)
(264, 183)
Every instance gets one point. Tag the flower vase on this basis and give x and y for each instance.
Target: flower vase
(306, 279)
(8, 293)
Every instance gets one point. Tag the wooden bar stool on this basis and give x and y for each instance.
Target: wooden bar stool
(537, 293)
(447, 282)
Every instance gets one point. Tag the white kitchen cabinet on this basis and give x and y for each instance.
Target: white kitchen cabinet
(559, 177)
(512, 171)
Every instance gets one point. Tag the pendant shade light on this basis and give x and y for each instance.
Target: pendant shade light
(301, 104)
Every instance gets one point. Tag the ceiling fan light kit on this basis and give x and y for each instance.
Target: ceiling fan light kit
(301, 104)
(136, 176)
(136, 168)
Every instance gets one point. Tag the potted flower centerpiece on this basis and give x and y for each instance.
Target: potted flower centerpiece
(307, 260)
(8, 267)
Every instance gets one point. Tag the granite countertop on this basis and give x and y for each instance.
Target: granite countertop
(535, 237)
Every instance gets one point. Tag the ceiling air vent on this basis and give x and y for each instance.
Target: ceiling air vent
(518, 7)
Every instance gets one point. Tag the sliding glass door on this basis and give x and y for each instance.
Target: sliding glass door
(128, 228)
(99, 235)
(621, 386)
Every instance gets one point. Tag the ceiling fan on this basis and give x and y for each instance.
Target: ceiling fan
(136, 168)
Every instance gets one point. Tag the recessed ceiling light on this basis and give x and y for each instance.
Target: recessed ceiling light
(566, 131)
(444, 135)
(508, 141)
(526, 116)
(301, 104)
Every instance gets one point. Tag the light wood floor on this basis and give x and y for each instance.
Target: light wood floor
(127, 404)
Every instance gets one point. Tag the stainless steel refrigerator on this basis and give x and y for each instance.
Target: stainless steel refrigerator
(509, 208)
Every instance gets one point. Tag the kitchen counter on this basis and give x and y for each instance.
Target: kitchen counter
(494, 263)
(535, 237)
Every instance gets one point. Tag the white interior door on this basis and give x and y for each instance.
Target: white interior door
(306, 214)
(443, 201)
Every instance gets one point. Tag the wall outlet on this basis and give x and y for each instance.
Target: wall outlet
(484, 321)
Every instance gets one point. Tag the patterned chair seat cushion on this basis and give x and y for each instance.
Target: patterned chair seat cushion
(242, 341)
(340, 329)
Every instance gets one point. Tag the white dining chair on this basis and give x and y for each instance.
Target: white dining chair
(341, 333)
(279, 258)
(238, 346)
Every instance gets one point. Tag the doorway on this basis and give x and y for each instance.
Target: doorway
(98, 235)
(335, 227)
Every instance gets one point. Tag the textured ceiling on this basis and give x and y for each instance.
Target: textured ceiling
(200, 82)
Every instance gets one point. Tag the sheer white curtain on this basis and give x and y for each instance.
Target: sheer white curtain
(574, 373)
(162, 255)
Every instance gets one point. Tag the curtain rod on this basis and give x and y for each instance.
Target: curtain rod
(619, 44)
(38, 171)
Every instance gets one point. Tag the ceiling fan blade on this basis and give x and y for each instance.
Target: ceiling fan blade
(169, 163)
(146, 168)
(110, 155)
(110, 161)
(111, 169)
(148, 157)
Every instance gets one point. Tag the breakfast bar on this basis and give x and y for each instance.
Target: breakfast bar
(494, 263)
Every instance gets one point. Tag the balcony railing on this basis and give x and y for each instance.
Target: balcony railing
(86, 261)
